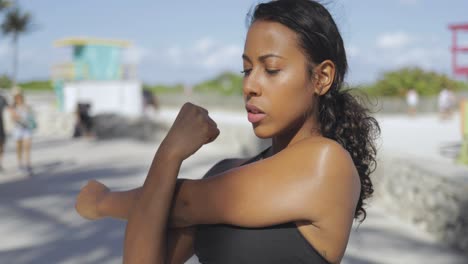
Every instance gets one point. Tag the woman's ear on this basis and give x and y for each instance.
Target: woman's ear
(324, 77)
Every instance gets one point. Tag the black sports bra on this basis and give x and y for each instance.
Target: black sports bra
(226, 244)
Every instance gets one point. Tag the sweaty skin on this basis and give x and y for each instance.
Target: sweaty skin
(306, 178)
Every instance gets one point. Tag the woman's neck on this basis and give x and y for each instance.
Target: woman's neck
(307, 129)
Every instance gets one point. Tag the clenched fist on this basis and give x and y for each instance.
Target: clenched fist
(190, 131)
(88, 199)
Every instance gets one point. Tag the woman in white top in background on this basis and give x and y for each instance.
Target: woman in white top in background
(24, 124)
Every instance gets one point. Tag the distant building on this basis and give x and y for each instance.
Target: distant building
(97, 76)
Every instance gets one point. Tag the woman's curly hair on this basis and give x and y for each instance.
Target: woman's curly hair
(341, 116)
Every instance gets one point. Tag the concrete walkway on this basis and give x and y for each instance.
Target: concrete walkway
(38, 224)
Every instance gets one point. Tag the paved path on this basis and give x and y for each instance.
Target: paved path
(38, 224)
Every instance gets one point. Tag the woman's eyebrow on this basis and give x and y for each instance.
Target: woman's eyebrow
(269, 55)
(245, 57)
(262, 58)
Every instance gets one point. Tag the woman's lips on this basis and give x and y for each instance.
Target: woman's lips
(254, 114)
(255, 118)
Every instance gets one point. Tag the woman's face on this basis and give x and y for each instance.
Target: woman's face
(277, 89)
(19, 99)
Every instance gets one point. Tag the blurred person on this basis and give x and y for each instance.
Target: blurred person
(24, 125)
(150, 104)
(3, 106)
(412, 100)
(84, 121)
(445, 102)
(295, 201)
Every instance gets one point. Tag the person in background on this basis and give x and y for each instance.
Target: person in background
(3, 106)
(150, 104)
(412, 100)
(295, 201)
(446, 102)
(24, 126)
(84, 121)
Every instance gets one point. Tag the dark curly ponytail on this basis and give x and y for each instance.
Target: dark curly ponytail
(344, 119)
(341, 117)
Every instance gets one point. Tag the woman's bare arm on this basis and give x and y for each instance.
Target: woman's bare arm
(96, 201)
(146, 232)
(275, 190)
(307, 181)
(145, 235)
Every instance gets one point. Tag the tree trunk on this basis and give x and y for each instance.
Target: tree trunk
(15, 59)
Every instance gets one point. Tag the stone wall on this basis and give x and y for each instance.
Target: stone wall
(50, 121)
(382, 105)
(431, 195)
(428, 194)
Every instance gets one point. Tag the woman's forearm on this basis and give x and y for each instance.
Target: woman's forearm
(119, 204)
(145, 236)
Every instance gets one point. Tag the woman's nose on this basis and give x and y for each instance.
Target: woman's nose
(250, 86)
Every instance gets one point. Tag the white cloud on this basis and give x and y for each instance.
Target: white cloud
(175, 55)
(394, 40)
(225, 56)
(418, 51)
(204, 45)
(409, 2)
(135, 54)
(353, 51)
(199, 60)
(206, 53)
(426, 58)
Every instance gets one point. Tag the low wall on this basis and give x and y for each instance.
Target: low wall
(382, 105)
(428, 194)
(431, 195)
(50, 121)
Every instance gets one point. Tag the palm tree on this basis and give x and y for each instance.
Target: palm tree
(16, 23)
(4, 4)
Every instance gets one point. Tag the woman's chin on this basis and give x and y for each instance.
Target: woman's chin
(263, 133)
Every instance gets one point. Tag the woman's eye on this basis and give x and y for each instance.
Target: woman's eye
(272, 72)
(246, 72)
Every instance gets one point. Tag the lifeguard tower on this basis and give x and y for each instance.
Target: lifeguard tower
(97, 76)
(461, 70)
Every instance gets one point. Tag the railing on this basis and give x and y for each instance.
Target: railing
(67, 72)
(72, 72)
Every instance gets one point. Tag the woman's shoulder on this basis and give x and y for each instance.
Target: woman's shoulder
(224, 165)
(320, 144)
(320, 152)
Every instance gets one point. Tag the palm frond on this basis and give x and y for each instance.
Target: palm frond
(4, 4)
(16, 22)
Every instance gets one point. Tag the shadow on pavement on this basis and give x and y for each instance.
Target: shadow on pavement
(43, 227)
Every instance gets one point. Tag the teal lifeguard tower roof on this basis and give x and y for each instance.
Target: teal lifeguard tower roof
(93, 58)
(89, 41)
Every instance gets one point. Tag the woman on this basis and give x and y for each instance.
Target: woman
(294, 202)
(3, 105)
(24, 125)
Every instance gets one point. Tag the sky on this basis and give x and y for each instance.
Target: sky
(190, 41)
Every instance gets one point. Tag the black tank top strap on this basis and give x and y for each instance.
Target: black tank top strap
(258, 157)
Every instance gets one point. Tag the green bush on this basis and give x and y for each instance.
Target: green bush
(426, 83)
(45, 85)
(226, 83)
(164, 89)
(5, 81)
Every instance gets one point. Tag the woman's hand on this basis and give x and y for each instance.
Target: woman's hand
(87, 202)
(190, 131)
